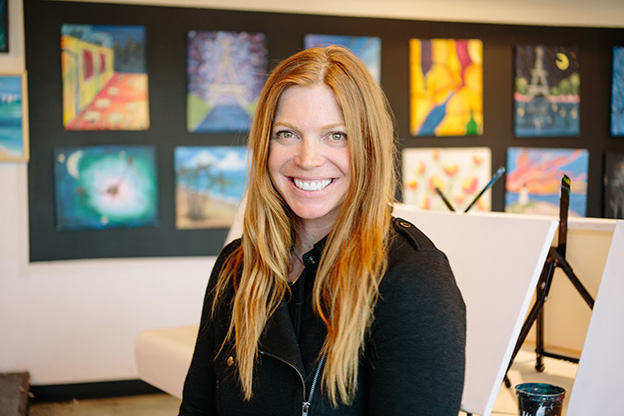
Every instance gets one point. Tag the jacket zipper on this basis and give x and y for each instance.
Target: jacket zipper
(305, 404)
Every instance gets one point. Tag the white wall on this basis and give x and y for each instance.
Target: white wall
(75, 321)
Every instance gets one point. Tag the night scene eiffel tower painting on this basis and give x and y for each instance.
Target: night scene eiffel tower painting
(546, 91)
(225, 73)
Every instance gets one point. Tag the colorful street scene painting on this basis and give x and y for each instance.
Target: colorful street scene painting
(13, 123)
(367, 48)
(446, 87)
(617, 92)
(210, 183)
(533, 183)
(459, 173)
(614, 185)
(225, 72)
(546, 91)
(105, 83)
(100, 187)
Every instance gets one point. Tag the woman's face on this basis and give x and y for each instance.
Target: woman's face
(309, 155)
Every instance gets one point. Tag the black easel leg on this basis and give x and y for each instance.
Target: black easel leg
(539, 341)
(565, 266)
(543, 285)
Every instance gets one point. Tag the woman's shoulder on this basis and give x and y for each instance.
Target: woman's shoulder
(406, 232)
(414, 261)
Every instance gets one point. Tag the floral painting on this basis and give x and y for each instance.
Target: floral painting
(13, 118)
(225, 74)
(546, 91)
(104, 77)
(99, 187)
(446, 87)
(210, 183)
(367, 48)
(617, 92)
(614, 185)
(533, 183)
(459, 173)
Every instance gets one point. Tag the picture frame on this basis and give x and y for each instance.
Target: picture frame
(14, 134)
(4, 26)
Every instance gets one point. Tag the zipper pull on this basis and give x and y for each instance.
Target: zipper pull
(304, 408)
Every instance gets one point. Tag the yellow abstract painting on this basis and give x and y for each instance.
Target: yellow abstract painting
(446, 87)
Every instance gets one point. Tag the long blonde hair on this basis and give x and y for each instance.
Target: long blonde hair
(355, 254)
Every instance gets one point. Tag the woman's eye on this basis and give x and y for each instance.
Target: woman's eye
(337, 136)
(284, 134)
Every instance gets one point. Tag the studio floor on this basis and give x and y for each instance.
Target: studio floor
(557, 372)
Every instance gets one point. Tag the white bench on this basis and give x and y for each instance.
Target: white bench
(163, 356)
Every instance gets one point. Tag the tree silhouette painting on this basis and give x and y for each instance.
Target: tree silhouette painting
(210, 182)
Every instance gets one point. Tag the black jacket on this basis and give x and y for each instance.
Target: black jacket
(414, 357)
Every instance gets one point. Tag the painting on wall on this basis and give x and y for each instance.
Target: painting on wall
(100, 187)
(367, 48)
(459, 173)
(533, 183)
(210, 183)
(546, 91)
(446, 87)
(617, 92)
(225, 74)
(13, 118)
(105, 83)
(4, 25)
(614, 185)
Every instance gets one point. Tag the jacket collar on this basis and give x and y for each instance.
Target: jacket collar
(279, 338)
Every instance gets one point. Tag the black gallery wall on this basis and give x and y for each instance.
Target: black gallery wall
(166, 34)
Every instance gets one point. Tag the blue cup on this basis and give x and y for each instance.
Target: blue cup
(539, 399)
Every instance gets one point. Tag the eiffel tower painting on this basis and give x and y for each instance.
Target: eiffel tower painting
(225, 73)
(546, 91)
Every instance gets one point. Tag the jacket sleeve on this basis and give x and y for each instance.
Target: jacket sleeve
(418, 337)
(198, 396)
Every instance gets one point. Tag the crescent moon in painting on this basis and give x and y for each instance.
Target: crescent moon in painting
(562, 61)
(72, 163)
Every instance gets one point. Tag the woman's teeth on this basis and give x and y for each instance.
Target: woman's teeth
(313, 185)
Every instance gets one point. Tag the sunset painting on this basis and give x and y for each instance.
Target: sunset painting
(533, 183)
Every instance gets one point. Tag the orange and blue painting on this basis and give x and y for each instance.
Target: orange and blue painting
(459, 173)
(105, 83)
(446, 87)
(100, 187)
(533, 183)
(225, 74)
(546, 91)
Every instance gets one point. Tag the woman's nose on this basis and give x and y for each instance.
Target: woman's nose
(309, 154)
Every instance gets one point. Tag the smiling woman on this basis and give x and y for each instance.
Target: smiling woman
(309, 158)
(327, 305)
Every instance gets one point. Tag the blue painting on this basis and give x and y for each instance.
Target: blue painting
(101, 187)
(546, 91)
(533, 180)
(13, 136)
(225, 72)
(617, 93)
(614, 185)
(367, 48)
(210, 183)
